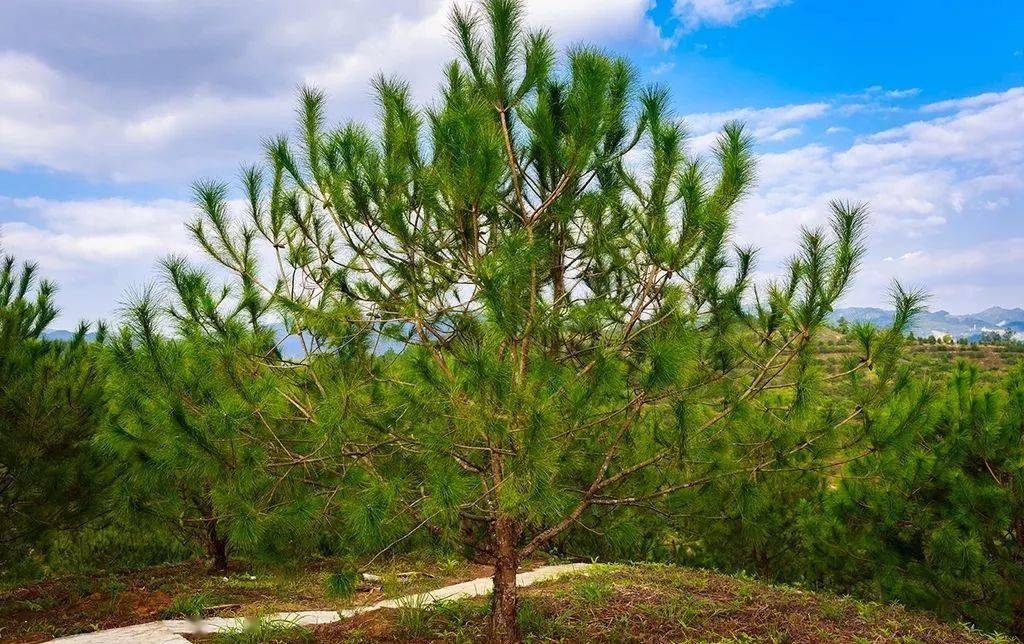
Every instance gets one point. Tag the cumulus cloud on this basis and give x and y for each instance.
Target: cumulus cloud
(205, 82)
(974, 102)
(933, 178)
(95, 233)
(1002, 253)
(959, 277)
(97, 250)
(768, 124)
(166, 91)
(903, 93)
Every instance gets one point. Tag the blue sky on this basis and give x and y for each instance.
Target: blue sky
(109, 109)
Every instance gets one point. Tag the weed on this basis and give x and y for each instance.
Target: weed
(868, 610)
(355, 635)
(264, 630)
(459, 613)
(832, 608)
(449, 565)
(592, 591)
(114, 586)
(390, 584)
(187, 606)
(682, 610)
(531, 617)
(342, 584)
(412, 617)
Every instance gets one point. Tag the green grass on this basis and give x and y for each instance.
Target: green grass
(661, 603)
(592, 591)
(413, 616)
(188, 605)
(264, 630)
(833, 608)
(342, 584)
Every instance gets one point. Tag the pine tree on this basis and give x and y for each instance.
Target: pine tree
(209, 437)
(809, 436)
(575, 332)
(940, 523)
(51, 404)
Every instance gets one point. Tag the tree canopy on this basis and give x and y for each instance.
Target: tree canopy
(573, 329)
(51, 403)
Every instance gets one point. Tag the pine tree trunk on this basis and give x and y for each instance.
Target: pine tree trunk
(505, 600)
(216, 546)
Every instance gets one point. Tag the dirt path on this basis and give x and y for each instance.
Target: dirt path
(170, 631)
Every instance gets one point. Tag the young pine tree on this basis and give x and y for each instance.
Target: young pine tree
(843, 411)
(940, 524)
(211, 441)
(554, 268)
(51, 404)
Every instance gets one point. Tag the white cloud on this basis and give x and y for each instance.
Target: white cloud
(915, 176)
(771, 124)
(204, 84)
(170, 90)
(94, 234)
(929, 179)
(662, 68)
(974, 102)
(57, 122)
(605, 20)
(875, 100)
(695, 13)
(990, 130)
(97, 250)
(963, 278)
(782, 135)
(903, 93)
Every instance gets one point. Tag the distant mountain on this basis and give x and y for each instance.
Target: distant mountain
(999, 316)
(65, 335)
(290, 344)
(294, 347)
(940, 323)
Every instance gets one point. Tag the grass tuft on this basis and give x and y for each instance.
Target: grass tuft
(412, 617)
(187, 606)
(342, 584)
(595, 591)
(264, 630)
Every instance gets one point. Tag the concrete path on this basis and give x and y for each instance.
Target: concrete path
(170, 631)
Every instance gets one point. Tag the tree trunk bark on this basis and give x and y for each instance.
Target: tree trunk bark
(216, 546)
(505, 599)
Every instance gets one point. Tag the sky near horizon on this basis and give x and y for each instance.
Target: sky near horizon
(110, 109)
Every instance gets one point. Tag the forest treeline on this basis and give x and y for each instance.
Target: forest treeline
(523, 328)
